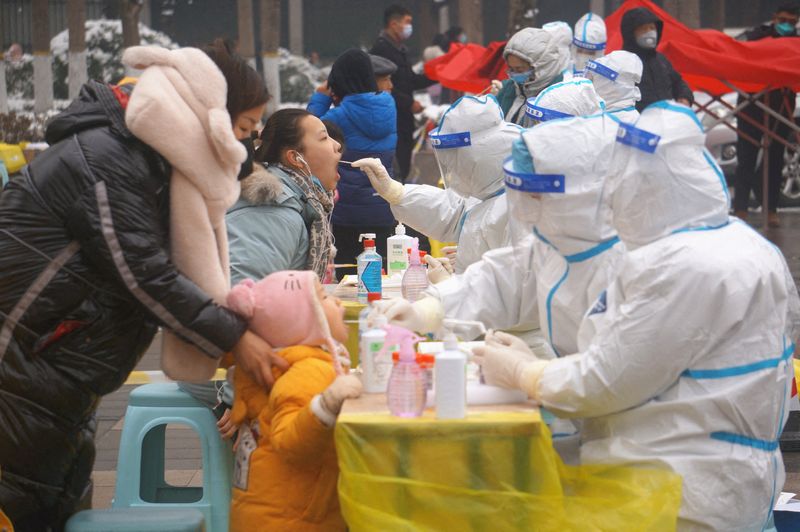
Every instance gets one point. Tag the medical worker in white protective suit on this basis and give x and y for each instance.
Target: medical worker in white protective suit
(686, 359)
(588, 41)
(562, 32)
(615, 77)
(501, 289)
(535, 61)
(470, 144)
(555, 181)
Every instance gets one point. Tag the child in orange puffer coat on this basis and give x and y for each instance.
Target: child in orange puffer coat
(286, 473)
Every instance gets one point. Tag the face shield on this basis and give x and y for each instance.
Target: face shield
(663, 180)
(615, 77)
(470, 145)
(589, 40)
(575, 97)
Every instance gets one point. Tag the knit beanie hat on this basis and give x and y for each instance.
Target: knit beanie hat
(283, 309)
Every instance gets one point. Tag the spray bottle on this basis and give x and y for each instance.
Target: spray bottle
(407, 391)
(396, 247)
(415, 280)
(369, 268)
(450, 373)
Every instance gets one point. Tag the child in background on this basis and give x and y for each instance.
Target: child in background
(285, 476)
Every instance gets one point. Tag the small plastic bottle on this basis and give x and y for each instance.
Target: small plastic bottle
(415, 280)
(450, 374)
(363, 316)
(369, 268)
(396, 246)
(407, 391)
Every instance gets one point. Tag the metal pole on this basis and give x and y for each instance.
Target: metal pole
(765, 142)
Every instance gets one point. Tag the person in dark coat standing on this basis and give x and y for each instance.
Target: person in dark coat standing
(368, 119)
(396, 29)
(86, 279)
(782, 101)
(641, 33)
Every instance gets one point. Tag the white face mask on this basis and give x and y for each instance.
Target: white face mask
(408, 29)
(648, 39)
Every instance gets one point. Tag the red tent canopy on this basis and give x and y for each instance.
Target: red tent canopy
(703, 57)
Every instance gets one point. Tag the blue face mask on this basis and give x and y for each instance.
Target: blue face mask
(784, 28)
(521, 77)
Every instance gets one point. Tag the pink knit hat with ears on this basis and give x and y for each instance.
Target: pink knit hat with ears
(283, 309)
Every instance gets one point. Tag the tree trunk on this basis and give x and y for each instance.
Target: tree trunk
(270, 40)
(296, 26)
(42, 61)
(686, 11)
(76, 22)
(521, 14)
(424, 19)
(129, 13)
(470, 18)
(244, 19)
(3, 88)
(717, 14)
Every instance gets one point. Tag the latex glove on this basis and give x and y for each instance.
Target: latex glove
(502, 339)
(450, 252)
(510, 368)
(439, 269)
(496, 86)
(382, 182)
(334, 396)
(423, 316)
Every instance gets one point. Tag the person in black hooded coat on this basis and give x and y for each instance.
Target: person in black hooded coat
(85, 281)
(660, 81)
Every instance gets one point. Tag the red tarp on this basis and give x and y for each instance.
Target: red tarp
(703, 57)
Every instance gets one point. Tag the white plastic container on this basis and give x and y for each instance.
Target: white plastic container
(375, 361)
(397, 251)
(450, 376)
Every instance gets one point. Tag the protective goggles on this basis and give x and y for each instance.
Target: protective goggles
(449, 140)
(535, 183)
(543, 114)
(588, 45)
(603, 70)
(637, 138)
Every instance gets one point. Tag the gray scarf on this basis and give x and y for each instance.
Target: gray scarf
(320, 236)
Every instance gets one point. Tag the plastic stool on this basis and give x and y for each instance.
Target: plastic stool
(137, 520)
(140, 467)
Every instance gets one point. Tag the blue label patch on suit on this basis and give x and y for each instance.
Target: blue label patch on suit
(600, 305)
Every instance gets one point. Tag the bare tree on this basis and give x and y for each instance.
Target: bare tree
(76, 22)
(244, 18)
(129, 13)
(42, 60)
(686, 11)
(3, 89)
(521, 14)
(470, 17)
(270, 40)
(717, 14)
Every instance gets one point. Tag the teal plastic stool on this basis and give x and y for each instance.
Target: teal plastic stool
(140, 467)
(137, 520)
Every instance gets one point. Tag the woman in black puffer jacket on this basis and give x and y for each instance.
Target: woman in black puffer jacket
(85, 280)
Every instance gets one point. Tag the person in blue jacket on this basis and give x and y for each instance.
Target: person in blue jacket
(368, 119)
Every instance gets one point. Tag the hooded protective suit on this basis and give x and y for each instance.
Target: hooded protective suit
(700, 321)
(566, 99)
(470, 144)
(615, 77)
(540, 49)
(588, 41)
(500, 290)
(563, 35)
(576, 248)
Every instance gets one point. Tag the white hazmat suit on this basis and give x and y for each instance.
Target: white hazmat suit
(588, 41)
(615, 77)
(470, 144)
(685, 360)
